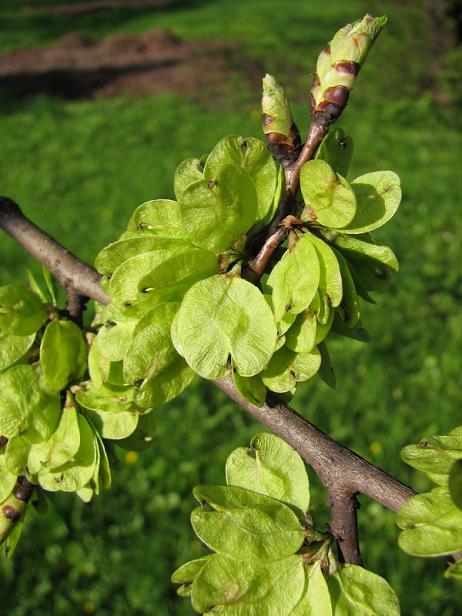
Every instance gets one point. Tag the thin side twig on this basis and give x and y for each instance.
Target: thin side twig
(277, 234)
(344, 525)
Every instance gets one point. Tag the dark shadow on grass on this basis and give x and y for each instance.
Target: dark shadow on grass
(72, 84)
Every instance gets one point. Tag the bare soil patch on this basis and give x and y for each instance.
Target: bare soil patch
(80, 67)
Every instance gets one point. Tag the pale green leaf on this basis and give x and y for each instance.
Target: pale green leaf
(245, 525)
(62, 445)
(175, 275)
(455, 483)
(294, 279)
(7, 478)
(223, 317)
(151, 350)
(160, 217)
(336, 149)
(432, 524)
(187, 172)
(189, 571)
(287, 368)
(165, 385)
(113, 255)
(434, 456)
(13, 348)
(330, 279)
(355, 591)
(143, 435)
(366, 250)
(76, 473)
(251, 388)
(124, 286)
(114, 339)
(315, 600)
(217, 212)
(301, 337)
(349, 308)
(378, 195)
(63, 355)
(236, 588)
(21, 311)
(329, 198)
(270, 466)
(101, 398)
(16, 452)
(24, 406)
(326, 371)
(251, 155)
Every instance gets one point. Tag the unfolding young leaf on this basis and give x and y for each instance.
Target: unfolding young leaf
(222, 317)
(246, 525)
(294, 279)
(270, 466)
(355, 591)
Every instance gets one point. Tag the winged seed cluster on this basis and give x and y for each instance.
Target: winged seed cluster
(432, 522)
(179, 303)
(268, 558)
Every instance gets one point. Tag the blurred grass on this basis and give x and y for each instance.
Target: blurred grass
(79, 168)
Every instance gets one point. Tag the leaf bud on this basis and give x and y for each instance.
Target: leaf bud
(278, 124)
(338, 66)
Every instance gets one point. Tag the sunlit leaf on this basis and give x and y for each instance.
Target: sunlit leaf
(63, 355)
(159, 217)
(355, 591)
(378, 196)
(13, 348)
(222, 317)
(245, 525)
(253, 156)
(287, 368)
(431, 523)
(216, 212)
(329, 198)
(294, 279)
(187, 172)
(336, 149)
(237, 588)
(21, 311)
(270, 466)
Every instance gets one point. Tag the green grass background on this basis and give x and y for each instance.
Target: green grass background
(80, 168)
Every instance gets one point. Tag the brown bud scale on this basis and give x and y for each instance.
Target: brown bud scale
(11, 513)
(347, 66)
